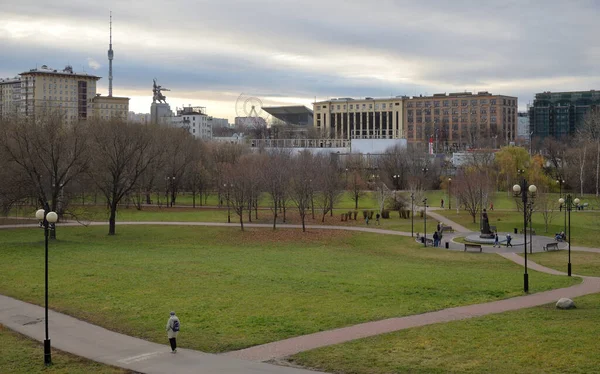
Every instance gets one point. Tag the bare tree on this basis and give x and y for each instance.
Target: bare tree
(591, 131)
(472, 187)
(49, 152)
(237, 181)
(545, 204)
(301, 188)
(122, 153)
(326, 183)
(275, 179)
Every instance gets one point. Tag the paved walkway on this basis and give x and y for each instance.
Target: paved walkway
(96, 343)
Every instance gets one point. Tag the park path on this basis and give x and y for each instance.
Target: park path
(98, 344)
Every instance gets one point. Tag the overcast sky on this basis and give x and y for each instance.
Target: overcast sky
(291, 52)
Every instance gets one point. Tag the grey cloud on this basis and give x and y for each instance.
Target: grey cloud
(455, 45)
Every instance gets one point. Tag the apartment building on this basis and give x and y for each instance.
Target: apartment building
(44, 90)
(194, 120)
(10, 96)
(459, 120)
(369, 118)
(47, 90)
(560, 114)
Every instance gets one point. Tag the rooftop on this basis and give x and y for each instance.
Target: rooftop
(68, 70)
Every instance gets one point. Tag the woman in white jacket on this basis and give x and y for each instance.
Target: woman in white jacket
(172, 331)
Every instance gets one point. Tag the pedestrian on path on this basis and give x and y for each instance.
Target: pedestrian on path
(508, 239)
(172, 331)
(436, 239)
(496, 242)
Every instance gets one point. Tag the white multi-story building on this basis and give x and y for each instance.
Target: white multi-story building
(195, 120)
(368, 118)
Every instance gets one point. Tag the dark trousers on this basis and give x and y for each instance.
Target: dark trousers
(173, 342)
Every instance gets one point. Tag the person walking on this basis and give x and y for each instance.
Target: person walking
(377, 219)
(436, 239)
(496, 242)
(442, 203)
(172, 331)
(508, 239)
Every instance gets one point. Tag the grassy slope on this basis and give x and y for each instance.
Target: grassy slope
(536, 340)
(235, 289)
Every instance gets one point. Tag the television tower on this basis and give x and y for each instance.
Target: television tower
(110, 58)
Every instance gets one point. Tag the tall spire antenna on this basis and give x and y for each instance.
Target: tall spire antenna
(110, 58)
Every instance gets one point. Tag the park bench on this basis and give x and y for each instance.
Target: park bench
(550, 246)
(532, 231)
(473, 246)
(447, 228)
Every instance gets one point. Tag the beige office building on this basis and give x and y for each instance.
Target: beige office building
(461, 119)
(110, 107)
(10, 96)
(368, 118)
(46, 90)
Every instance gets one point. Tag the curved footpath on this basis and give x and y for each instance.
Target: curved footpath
(96, 343)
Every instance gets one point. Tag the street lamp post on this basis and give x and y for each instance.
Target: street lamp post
(522, 190)
(46, 217)
(425, 222)
(449, 196)
(560, 182)
(412, 214)
(228, 205)
(568, 204)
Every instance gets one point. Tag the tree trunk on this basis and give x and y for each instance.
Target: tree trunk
(355, 202)
(193, 199)
(303, 225)
(112, 219)
(241, 222)
(284, 212)
(597, 165)
(275, 215)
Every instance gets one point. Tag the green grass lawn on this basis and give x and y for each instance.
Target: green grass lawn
(265, 216)
(584, 225)
(236, 289)
(19, 354)
(582, 263)
(536, 340)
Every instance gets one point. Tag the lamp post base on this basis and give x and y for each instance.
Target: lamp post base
(47, 353)
(569, 269)
(526, 282)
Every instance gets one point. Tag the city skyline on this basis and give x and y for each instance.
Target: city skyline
(294, 53)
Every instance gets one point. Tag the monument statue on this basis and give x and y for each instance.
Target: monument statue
(485, 224)
(157, 94)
